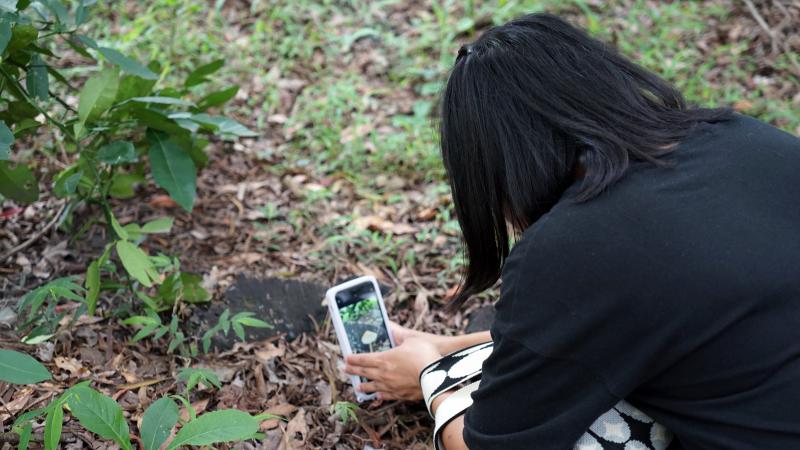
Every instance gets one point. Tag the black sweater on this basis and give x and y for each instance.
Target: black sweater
(677, 289)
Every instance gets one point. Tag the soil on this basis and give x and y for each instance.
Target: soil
(292, 307)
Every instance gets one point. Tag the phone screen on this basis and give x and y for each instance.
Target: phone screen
(362, 318)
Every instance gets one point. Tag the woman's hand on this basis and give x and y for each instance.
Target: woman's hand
(394, 374)
(401, 333)
(444, 344)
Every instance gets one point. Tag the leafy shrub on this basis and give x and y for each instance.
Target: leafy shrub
(356, 311)
(127, 124)
(103, 416)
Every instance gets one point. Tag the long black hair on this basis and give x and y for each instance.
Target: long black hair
(531, 106)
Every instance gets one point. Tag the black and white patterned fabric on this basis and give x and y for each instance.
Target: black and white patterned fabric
(623, 427)
(451, 371)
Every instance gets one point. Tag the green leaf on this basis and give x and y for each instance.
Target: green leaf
(238, 329)
(226, 425)
(193, 291)
(26, 127)
(122, 185)
(86, 41)
(21, 368)
(36, 80)
(143, 333)
(223, 125)
(187, 405)
(142, 320)
(156, 120)
(80, 13)
(136, 262)
(117, 152)
(5, 35)
(134, 231)
(52, 426)
(6, 139)
(157, 422)
(217, 98)
(126, 64)
(253, 322)
(198, 75)
(132, 86)
(28, 416)
(18, 183)
(58, 10)
(25, 436)
(92, 286)
(163, 101)
(21, 37)
(173, 170)
(67, 181)
(175, 342)
(18, 111)
(193, 375)
(121, 232)
(224, 321)
(97, 96)
(33, 338)
(161, 225)
(100, 415)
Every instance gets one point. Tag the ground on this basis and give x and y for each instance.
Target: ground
(344, 179)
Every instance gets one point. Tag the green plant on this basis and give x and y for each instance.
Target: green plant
(345, 411)
(151, 325)
(192, 376)
(128, 121)
(41, 310)
(237, 322)
(103, 416)
(354, 312)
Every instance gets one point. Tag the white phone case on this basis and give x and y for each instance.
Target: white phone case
(338, 325)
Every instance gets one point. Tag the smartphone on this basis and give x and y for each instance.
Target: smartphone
(359, 318)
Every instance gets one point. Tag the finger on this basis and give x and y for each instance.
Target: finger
(366, 372)
(386, 396)
(369, 387)
(364, 359)
(395, 327)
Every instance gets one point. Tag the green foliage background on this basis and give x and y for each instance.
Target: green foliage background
(313, 40)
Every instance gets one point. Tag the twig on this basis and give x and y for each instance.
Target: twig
(763, 23)
(758, 17)
(35, 237)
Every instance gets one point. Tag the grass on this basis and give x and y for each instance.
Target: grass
(359, 125)
(314, 38)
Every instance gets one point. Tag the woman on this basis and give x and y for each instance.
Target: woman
(657, 254)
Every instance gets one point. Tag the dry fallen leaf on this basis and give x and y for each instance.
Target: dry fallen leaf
(296, 431)
(199, 406)
(162, 201)
(72, 365)
(268, 352)
(376, 223)
(421, 307)
(426, 214)
(19, 402)
(282, 410)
